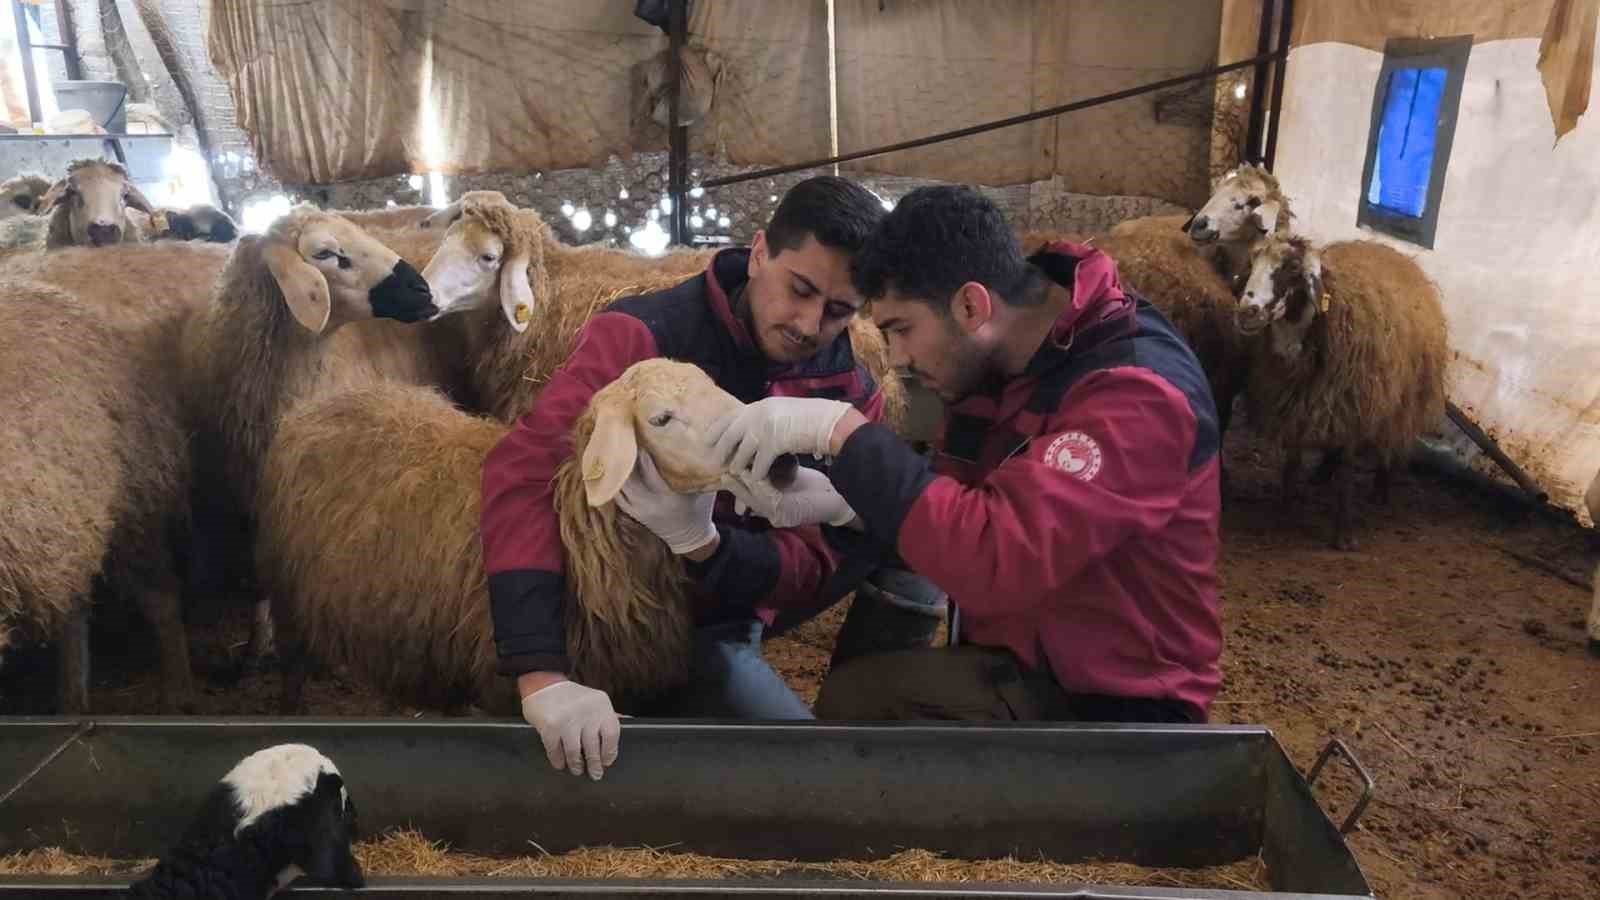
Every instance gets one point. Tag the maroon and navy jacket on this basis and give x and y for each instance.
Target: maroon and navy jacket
(1071, 513)
(754, 568)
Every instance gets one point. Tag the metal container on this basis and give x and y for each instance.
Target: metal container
(1154, 795)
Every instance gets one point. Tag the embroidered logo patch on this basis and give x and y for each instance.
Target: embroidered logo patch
(1076, 454)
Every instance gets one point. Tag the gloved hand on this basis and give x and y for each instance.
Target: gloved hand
(576, 724)
(810, 500)
(751, 438)
(683, 521)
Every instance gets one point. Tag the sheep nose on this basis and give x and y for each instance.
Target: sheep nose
(1200, 223)
(102, 233)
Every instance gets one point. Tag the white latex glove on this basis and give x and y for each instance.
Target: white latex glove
(810, 500)
(749, 439)
(683, 521)
(576, 724)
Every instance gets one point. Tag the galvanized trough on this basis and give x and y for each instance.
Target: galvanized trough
(1159, 796)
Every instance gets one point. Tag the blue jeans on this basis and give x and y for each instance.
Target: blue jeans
(730, 679)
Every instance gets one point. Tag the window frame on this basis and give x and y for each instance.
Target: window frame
(1450, 54)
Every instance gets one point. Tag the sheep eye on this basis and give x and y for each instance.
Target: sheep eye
(489, 258)
(324, 254)
(661, 419)
(23, 202)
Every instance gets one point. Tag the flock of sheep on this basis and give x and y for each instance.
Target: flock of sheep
(305, 413)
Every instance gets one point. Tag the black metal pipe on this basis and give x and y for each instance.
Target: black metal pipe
(1280, 75)
(1251, 149)
(678, 135)
(1074, 106)
(29, 77)
(1493, 451)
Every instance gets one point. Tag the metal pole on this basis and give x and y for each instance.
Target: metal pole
(1279, 77)
(1251, 150)
(678, 147)
(28, 77)
(1074, 106)
(69, 40)
(1492, 450)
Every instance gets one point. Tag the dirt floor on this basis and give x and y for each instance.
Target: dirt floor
(1447, 651)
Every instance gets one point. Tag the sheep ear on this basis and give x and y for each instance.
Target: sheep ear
(612, 452)
(443, 217)
(55, 195)
(304, 288)
(1313, 276)
(516, 294)
(1266, 216)
(132, 196)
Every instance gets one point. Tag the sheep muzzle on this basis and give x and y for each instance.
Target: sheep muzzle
(403, 295)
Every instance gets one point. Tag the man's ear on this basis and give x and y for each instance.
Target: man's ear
(758, 253)
(972, 306)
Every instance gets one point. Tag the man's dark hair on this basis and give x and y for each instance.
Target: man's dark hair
(936, 240)
(836, 211)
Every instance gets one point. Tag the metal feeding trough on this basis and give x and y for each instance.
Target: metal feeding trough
(1159, 796)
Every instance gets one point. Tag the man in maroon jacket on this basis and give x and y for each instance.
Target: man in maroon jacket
(1072, 509)
(770, 320)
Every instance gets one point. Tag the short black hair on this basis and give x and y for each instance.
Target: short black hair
(937, 239)
(836, 211)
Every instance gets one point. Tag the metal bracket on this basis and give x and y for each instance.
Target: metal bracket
(1368, 786)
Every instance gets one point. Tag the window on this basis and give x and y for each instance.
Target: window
(1408, 144)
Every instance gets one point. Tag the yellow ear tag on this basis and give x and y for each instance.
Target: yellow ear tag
(1325, 299)
(159, 220)
(523, 313)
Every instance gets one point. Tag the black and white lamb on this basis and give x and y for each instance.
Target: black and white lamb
(281, 813)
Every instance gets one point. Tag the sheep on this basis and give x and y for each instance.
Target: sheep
(564, 287)
(89, 206)
(280, 813)
(264, 341)
(390, 473)
(1349, 353)
(96, 452)
(1247, 205)
(20, 195)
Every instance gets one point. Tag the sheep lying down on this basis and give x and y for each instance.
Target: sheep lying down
(368, 539)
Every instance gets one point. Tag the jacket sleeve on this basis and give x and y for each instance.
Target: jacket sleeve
(788, 567)
(521, 536)
(1112, 465)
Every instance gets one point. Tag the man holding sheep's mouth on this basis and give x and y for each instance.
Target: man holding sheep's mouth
(1072, 512)
(768, 320)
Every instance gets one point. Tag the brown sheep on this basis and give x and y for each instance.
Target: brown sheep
(95, 442)
(562, 287)
(347, 482)
(1350, 353)
(263, 342)
(89, 206)
(20, 195)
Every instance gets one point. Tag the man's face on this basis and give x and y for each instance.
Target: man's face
(949, 359)
(799, 299)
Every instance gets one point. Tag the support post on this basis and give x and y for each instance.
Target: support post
(1251, 151)
(1279, 77)
(678, 147)
(29, 77)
